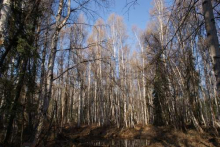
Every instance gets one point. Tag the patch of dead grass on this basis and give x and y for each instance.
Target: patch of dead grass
(158, 136)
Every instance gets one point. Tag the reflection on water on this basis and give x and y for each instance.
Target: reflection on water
(114, 143)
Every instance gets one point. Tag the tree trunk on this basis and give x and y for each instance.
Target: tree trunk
(15, 104)
(49, 76)
(5, 12)
(212, 40)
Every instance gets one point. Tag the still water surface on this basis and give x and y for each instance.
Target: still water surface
(114, 143)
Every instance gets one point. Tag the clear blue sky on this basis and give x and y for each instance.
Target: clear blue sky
(137, 15)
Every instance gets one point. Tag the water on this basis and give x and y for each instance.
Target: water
(113, 143)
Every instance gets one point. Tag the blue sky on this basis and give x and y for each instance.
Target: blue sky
(137, 15)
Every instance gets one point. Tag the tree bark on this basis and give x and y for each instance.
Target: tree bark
(49, 76)
(15, 104)
(212, 40)
(5, 13)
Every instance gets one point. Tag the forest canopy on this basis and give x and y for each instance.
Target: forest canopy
(58, 69)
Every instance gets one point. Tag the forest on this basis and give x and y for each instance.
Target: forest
(68, 76)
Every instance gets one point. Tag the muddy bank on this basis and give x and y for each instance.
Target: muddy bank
(131, 137)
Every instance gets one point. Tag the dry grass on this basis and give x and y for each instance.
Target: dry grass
(157, 136)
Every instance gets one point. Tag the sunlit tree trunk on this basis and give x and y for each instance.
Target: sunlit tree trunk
(213, 44)
(212, 39)
(89, 87)
(49, 75)
(146, 118)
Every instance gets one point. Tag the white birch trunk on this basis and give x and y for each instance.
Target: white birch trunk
(49, 81)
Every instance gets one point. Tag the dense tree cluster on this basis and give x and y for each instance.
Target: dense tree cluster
(56, 69)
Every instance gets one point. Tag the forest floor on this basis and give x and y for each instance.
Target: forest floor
(132, 137)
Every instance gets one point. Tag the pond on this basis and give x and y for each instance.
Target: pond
(113, 143)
